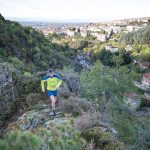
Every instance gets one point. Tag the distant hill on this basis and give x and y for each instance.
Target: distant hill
(26, 45)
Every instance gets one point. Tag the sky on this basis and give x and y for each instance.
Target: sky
(74, 10)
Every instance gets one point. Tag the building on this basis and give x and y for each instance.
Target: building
(116, 29)
(100, 37)
(70, 32)
(83, 33)
(112, 49)
(93, 29)
(146, 80)
(133, 28)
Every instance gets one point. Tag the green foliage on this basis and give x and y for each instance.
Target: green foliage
(133, 128)
(140, 41)
(24, 45)
(145, 103)
(2, 18)
(104, 56)
(102, 140)
(106, 87)
(141, 52)
(16, 63)
(105, 79)
(110, 59)
(18, 140)
(27, 74)
(61, 137)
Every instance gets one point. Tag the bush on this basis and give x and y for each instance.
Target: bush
(27, 74)
(89, 120)
(33, 99)
(101, 140)
(145, 103)
(74, 105)
(63, 137)
(18, 140)
(16, 63)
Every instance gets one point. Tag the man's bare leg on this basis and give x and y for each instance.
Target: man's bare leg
(53, 104)
(53, 101)
(56, 101)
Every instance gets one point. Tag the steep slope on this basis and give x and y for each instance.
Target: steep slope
(23, 52)
(25, 44)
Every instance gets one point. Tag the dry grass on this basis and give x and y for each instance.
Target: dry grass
(71, 104)
(89, 120)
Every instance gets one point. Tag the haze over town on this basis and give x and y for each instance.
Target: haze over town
(74, 10)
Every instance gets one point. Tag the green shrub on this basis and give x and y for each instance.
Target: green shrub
(62, 137)
(16, 63)
(18, 140)
(27, 74)
(145, 103)
(101, 140)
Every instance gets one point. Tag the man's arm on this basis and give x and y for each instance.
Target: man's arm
(59, 83)
(43, 80)
(59, 80)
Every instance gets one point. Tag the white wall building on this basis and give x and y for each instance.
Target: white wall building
(70, 33)
(116, 29)
(83, 33)
(133, 28)
(112, 49)
(100, 37)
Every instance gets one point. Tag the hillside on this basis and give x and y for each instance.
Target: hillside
(23, 53)
(24, 45)
(98, 107)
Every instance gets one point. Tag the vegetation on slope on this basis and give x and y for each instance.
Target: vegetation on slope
(26, 46)
(24, 50)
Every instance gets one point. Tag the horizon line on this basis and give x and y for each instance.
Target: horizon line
(27, 19)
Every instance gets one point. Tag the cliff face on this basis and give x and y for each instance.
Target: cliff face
(6, 91)
(13, 91)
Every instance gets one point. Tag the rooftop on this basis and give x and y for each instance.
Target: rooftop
(147, 75)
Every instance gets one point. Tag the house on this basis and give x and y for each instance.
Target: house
(59, 33)
(132, 100)
(146, 80)
(145, 20)
(100, 37)
(83, 34)
(116, 29)
(70, 32)
(112, 49)
(93, 29)
(133, 28)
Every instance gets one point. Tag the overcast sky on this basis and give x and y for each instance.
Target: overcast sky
(81, 10)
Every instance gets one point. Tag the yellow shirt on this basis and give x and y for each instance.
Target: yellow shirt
(52, 82)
